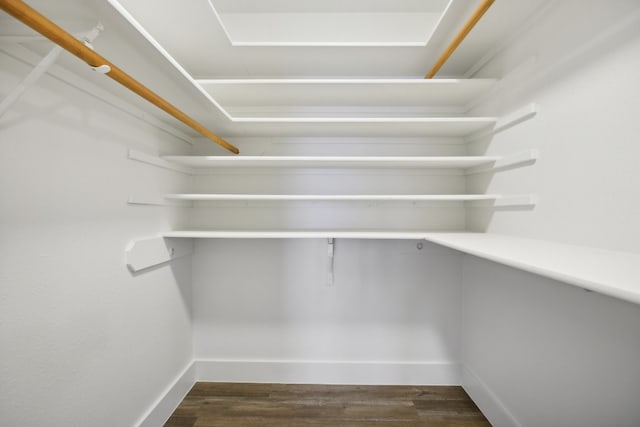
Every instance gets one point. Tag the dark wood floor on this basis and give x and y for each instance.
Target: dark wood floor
(280, 405)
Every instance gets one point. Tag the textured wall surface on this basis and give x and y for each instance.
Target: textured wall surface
(84, 342)
(268, 300)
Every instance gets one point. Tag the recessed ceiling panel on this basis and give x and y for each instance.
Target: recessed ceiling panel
(329, 23)
(328, 6)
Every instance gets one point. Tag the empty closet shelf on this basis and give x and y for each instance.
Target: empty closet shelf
(256, 93)
(612, 273)
(332, 161)
(298, 234)
(360, 126)
(335, 197)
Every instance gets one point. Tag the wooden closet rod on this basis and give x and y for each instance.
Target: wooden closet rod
(30, 17)
(466, 29)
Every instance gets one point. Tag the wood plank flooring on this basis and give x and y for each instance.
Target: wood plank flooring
(287, 405)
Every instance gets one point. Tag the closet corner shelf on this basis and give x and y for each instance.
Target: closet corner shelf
(297, 234)
(335, 197)
(361, 126)
(332, 161)
(616, 274)
(232, 93)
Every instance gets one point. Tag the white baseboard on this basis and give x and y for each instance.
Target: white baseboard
(170, 399)
(327, 372)
(490, 405)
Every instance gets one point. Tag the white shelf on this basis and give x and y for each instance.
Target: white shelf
(360, 126)
(331, 161)
(616, 274)
(296, 234)
(232, 93)
(335, 197)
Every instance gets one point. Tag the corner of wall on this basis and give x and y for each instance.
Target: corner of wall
(490, 405)
(170, 398)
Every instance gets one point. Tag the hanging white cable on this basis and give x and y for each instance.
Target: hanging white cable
(31, 78)
(40, 69)
(330, 277)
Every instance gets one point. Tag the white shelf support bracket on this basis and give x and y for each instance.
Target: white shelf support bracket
(331, 254)
(39, 70)
(508, 121)
(523, 158)
(87, 40)
(146, 253)
(522, 201)
(149, 159)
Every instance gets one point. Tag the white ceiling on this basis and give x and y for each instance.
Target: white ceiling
(191, 33)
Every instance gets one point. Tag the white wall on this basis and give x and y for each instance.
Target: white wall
(551, 353)
(84, 342)
(262, 308)
(580, 64)
(392, 315)
(82, 336)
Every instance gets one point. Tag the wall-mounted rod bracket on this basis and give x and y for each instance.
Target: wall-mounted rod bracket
(102, 69)
(88, 38)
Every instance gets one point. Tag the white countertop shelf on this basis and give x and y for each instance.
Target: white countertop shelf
(345, 92)
(612, 273)
(334, 197)
(331, 161)
(297, 234)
